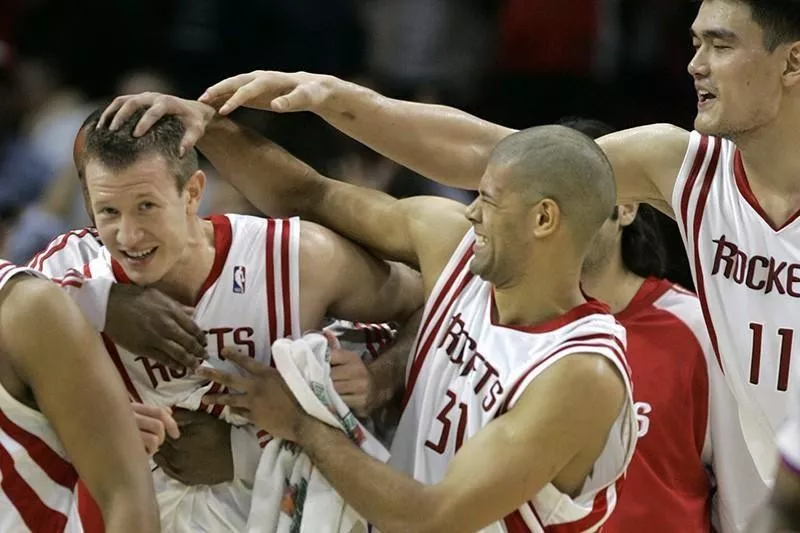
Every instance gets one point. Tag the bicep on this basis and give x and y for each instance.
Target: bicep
(75, 386)
(646, 162)
(565, 414)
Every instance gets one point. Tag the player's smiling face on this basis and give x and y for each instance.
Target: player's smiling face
(141, 215)
(739, 82)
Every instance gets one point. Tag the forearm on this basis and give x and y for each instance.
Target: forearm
(388, 499)
(122, 514)
(389, 370)
(272, 179)
(439, 142)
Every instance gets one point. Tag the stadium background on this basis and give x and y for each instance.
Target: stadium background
(517, 62)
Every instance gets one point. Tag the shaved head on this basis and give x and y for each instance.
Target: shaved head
(565, 166)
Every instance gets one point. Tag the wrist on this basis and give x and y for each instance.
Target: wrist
(339, 97)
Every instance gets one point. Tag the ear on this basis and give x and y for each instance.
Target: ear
(626, 214)
(193, 192)
(546, 218)
(791, 73)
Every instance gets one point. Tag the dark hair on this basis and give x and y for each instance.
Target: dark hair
(119, 149)
(643, 250)
(778, 19)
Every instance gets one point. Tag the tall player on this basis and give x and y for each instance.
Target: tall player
(732, 184)
(63, 415)
(518, 414)
(250, 281)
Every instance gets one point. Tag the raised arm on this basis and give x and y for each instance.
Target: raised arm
(76, 387)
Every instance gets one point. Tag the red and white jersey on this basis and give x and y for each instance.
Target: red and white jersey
(249, 300)
(467, 370)
(683, 413)
(62, 260)
(37, 480)
(747, 274)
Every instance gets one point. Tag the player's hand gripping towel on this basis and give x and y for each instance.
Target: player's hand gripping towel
(289, 494)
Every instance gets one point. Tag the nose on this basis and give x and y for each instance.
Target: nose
(473, 211)
(129, 233)
(698, 66)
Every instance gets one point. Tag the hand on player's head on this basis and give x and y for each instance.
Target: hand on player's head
(269, 90)
(149, 323)
(194, 115)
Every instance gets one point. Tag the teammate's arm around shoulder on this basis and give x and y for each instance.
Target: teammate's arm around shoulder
(646, 163)
(57, 353)
(420, 231)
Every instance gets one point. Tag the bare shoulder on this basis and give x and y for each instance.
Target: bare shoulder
(28, 302)
(647, 155)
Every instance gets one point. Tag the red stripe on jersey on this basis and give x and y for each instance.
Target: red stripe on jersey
(598, 512)
(368, 342)
(582, 344)
(38, 260)
(217, 409)
(34, 512)
(272, 319)
(214, 389)
(223, 237)
(285, 279)
(5, 270)
(56, 467)
(88, 510)
(425, 346)
(698, 218)
(689, 185)
(121, 370)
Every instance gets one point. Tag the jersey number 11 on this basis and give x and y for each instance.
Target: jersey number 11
(786, 335)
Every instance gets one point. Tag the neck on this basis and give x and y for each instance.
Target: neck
(768, 153)
(612, 283)
(184, 280)
(538, 298)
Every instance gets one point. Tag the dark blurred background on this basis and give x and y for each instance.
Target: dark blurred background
(517, 62)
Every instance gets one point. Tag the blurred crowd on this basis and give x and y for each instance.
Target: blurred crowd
(517, 62)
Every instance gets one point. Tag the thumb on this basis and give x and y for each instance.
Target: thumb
(297, 100)
(333, 342)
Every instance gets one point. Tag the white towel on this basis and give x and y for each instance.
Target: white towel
(289, 494)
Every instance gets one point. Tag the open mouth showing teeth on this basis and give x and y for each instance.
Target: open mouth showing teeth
(144, 254)
(705, 96)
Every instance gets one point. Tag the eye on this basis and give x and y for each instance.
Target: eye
(108, 211)
(146, 206)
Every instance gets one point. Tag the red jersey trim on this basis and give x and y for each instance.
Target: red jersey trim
(590, 307)
(743, 184)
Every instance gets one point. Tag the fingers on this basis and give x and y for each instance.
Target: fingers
(173, 355)
(150, 427)
(333, 342)
(344, 357)
(109, 111)
(234, 401)
(153, 114)
(233, 382)
(226, 87)
(128, 108)
(151, 443)
(242, 95)
(170, 424)
(350, 386)
(256, 368)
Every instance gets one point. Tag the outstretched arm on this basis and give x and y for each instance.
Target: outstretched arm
(54, 350)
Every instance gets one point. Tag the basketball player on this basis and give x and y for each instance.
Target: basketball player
(510, 358)
(250, 281)
(731, 185)
(63, 415)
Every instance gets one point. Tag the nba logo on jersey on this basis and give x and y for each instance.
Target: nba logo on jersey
(238, 279)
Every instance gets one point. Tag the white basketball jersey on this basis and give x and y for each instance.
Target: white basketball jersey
(38, 482)
(468, 370)
(249, 300)
(747, 274)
